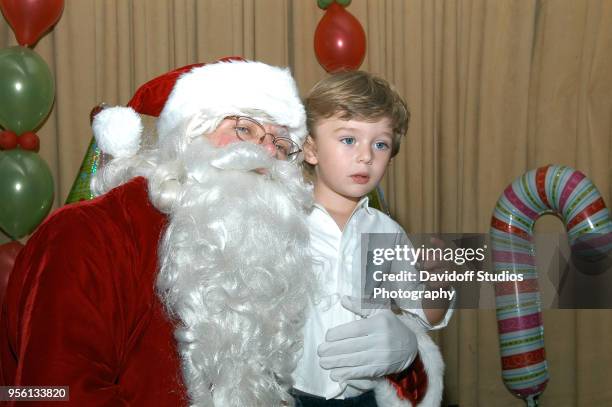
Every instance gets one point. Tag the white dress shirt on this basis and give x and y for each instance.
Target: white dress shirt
(337, 264)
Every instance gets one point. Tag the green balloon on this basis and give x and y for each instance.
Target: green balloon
(324, 4)
(26, 188)
(26, 89)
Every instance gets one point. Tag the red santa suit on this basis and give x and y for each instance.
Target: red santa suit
(81, 308)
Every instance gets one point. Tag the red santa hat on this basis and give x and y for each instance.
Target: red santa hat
(231, 86)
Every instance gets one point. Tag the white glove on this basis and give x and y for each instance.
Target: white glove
(368, 348)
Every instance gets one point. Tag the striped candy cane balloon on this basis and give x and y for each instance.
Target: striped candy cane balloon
(572, 197)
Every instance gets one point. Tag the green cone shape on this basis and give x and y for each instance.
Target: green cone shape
(81, 190)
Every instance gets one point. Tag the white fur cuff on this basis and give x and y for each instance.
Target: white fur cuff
(386, 395)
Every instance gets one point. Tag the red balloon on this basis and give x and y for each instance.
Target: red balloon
(30, 19)
(29, 141)
(339, 40)
(8, 140)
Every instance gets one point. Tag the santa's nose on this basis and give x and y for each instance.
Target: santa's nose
(267, 142)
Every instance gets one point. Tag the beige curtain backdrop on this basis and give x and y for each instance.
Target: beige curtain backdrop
(495, 88)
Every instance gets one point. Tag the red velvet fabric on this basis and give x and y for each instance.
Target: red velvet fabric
(8, 254)
(81, 308)
(151, 97)
(411, 384)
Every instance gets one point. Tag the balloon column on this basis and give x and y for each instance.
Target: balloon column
(339, 41)
(27, 92)
(571, 196)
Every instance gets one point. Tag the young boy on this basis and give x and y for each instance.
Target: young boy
(356, 122)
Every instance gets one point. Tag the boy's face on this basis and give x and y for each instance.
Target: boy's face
(350, 156)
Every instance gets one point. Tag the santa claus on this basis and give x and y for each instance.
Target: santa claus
(193, 259)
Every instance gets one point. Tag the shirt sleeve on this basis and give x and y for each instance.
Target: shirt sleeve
(65, 326)
(444, 322)
(413, 304)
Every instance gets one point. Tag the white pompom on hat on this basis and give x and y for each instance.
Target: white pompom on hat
(118, 131)
(231, 86)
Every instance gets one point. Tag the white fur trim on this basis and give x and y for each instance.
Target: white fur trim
(232, 88)
(117, 131)
(385, 393)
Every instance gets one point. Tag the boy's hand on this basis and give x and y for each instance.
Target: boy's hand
(436, 266)
(435, 310)
(369, 348)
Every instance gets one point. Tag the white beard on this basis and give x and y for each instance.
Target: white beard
(236, 273)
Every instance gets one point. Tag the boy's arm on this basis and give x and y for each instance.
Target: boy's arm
(433, 314)
(436, 310)
(392, 349)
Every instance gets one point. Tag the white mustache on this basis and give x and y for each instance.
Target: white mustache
(242, 157)
(203, 161)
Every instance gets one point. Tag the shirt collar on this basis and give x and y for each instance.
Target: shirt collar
(363, 203)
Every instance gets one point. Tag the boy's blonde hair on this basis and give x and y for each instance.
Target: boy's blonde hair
(357, 95)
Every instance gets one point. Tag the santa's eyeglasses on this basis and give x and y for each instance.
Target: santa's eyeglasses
(248, 129)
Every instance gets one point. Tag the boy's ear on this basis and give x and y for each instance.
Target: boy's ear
(310, 151)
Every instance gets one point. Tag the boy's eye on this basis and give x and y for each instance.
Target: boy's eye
(381, 145)
(348, 140)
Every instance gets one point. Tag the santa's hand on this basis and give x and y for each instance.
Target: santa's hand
(368, 348)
